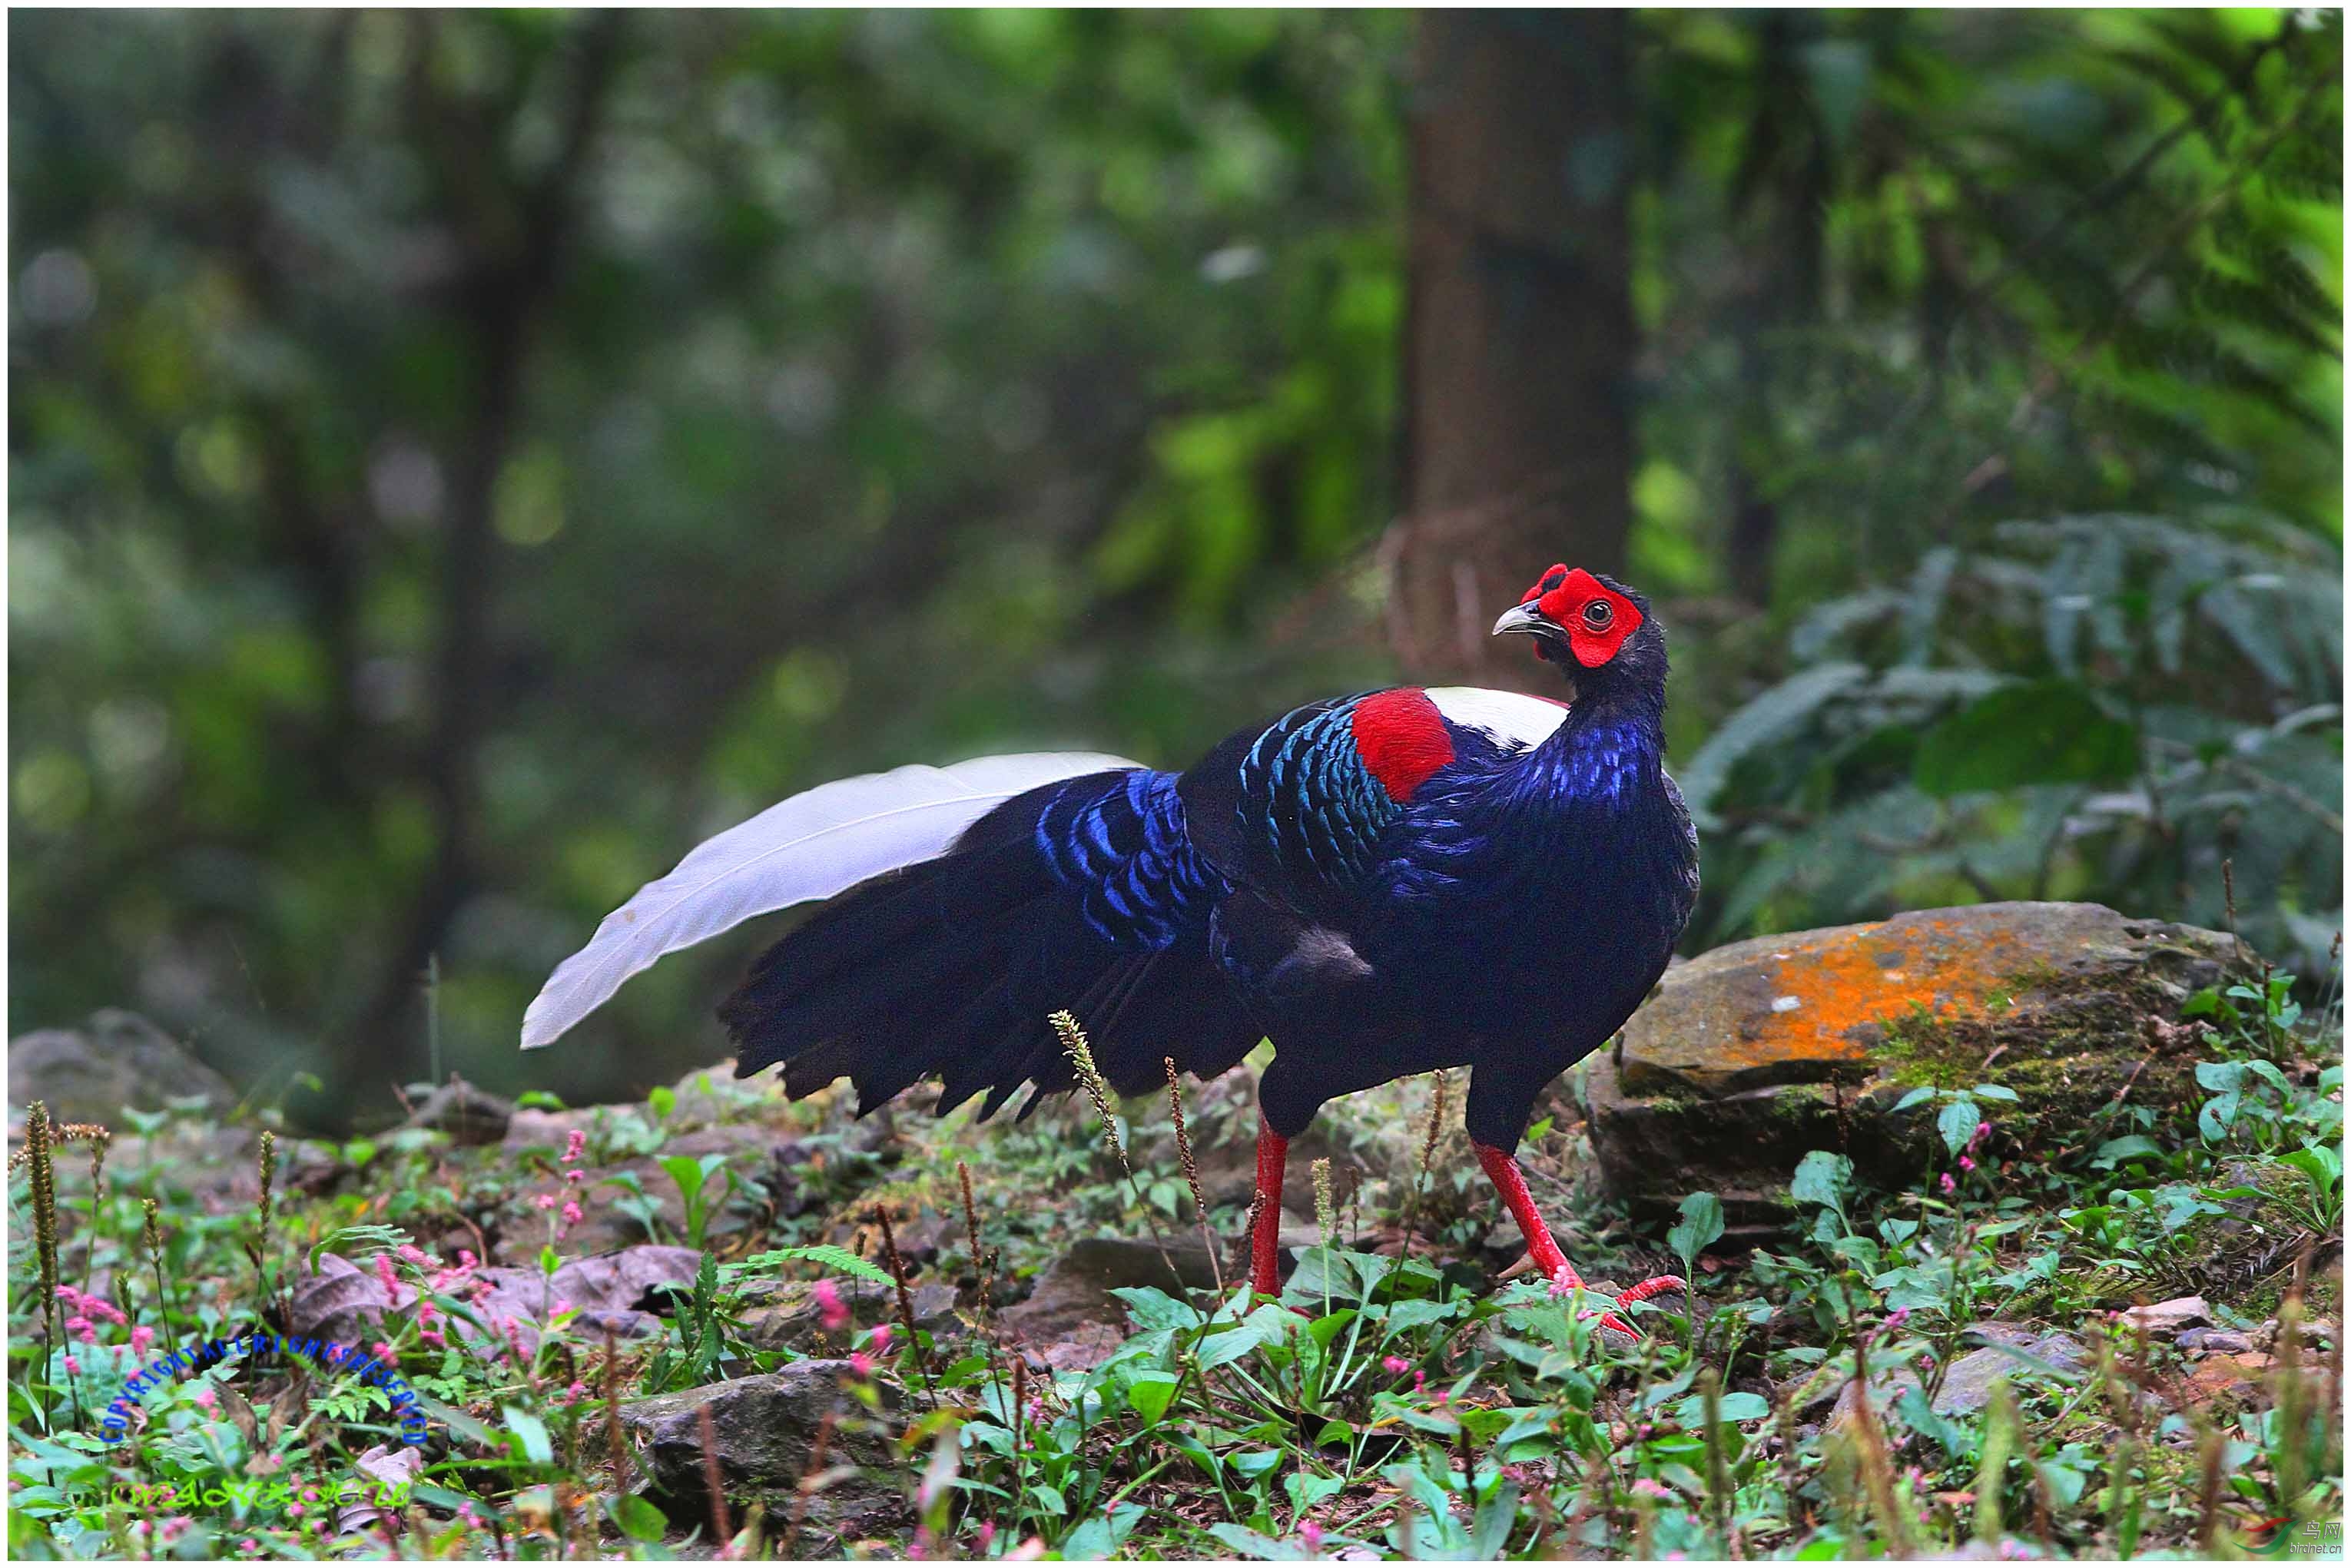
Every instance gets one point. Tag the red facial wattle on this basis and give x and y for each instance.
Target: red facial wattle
(1565, 596)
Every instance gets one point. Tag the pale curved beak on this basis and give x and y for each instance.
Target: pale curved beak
(1522, 618)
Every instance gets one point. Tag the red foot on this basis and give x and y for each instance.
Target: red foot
(1656, 1285)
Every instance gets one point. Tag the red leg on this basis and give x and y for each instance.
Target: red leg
(1503, 1169)
(1265, 1246)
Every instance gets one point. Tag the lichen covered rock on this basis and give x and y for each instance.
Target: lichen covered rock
(1751, 1055)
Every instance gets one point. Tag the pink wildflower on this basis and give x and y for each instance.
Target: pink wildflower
(829, 1303)
(574, 1175)
(206, 1399)
(1983, 1131)
(987, 1533)
(571, 1214)
(141, 1338)
(1310, 1536)
(545, 1200)
(73, 1367)
(861, 1364)
(1645, 1487)
(1949, 1187)
(385, 1277)
(575, 1393)
(1966, 1164)
(575, 1143)
(383, 1350)
(77, 1324)
(881, 1339)
(1419, 1382)
(1396, 1365)
(411, 1253)
(1898, 1317)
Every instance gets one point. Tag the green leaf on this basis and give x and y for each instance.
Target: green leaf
(838, 1259)
(662, 1101)
(1700, 1227)
(1736, 1406)
(1258, 1547)
(639, 1519)
(530, 1432)
(1821, 1177)
(2116, 1150)
(2039, 732)
(1917, 1096)
(1957, 1122)
(1149, 1394)
(1995, 1091)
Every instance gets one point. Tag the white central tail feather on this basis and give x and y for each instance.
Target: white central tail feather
(814, 846)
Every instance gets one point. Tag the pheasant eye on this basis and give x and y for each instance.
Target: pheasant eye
(1598, 614)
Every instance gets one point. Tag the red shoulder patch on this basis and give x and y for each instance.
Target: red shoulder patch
(1402, 738)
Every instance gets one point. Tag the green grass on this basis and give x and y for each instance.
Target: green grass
(1406, 1406)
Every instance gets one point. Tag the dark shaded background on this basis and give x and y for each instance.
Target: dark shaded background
(460, 460)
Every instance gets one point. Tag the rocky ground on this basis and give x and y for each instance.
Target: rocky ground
(2030, 1175)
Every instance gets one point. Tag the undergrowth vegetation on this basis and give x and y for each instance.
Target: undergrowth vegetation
(1395, 1402)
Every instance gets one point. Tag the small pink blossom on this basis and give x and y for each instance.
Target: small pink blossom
(861, 1364)
(1949, 1187)
(546, 1201)
(1310, 1536)
(73, 1367)
(574, 1175)
(575, 1394)
(1396, 1365)
(1966, 1164)
(575, 1143)
(206, 1399)
(1898, 1317)
(141, 1338)
(829, 1305)
(383, 1350)
(987, 1534)
(880, 1338)
(385, 1277)
(1983, 1131)
(571, 1214)
(1645, 1487)
(411, 1253)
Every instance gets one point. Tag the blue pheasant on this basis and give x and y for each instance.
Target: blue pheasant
(1380, 885)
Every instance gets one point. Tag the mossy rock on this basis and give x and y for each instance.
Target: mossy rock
(1751, 1055)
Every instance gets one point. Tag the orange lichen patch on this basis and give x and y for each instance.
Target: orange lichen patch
(1809, 1003)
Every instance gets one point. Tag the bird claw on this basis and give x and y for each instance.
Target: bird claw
(1566, 1280)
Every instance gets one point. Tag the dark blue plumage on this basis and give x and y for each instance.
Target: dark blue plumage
(1381, 883)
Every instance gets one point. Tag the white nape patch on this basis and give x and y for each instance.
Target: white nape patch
(1511, 719)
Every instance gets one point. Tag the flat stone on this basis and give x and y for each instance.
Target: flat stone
(1966, 1381)
(762, 1433)
(1751, 1056)
(2169, 1317)
(2237, 1379)
(1075, 1287)
(785, 1314)
(117, 1059)
(471, 1116)
(2216, 1341)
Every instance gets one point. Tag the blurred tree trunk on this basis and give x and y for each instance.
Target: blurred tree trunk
(1519, 341)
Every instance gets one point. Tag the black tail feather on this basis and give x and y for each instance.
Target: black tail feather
(949, 969)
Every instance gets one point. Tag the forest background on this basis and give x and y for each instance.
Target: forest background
(459, 460)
